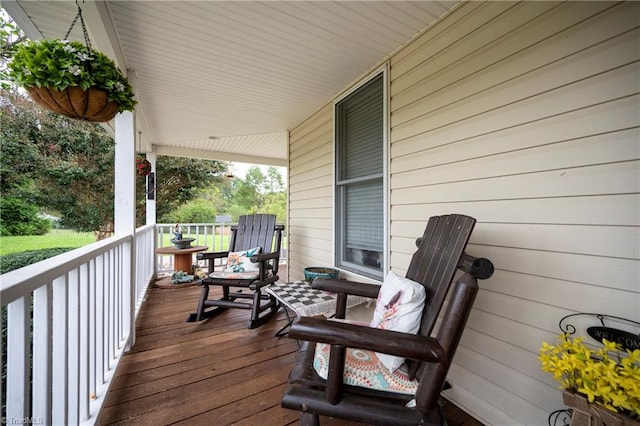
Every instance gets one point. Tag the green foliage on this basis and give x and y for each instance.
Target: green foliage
(257, 193)
(20, 218)
(10, 38)
(276, 203)
(64, 166)
(179, 180)
(13, 261)
(19, 157)
(59, 64)
(196, 211)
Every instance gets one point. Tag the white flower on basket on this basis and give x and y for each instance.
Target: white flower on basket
(74, 69)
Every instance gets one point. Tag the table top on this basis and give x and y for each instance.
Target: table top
(307, 301)
(174, 250)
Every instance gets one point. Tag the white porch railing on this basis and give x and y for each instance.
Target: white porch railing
(213, 235)
(69, 319)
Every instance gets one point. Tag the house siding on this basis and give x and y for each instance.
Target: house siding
(525, 116)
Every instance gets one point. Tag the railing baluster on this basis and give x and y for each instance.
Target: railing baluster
(109, 311)
(93, 339)
(101, 300)
(60, 337)
(83, 353)
(73, 360)
(18, 360)
(42, 348)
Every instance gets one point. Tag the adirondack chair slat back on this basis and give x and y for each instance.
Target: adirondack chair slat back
(434, 264)
(253, 231)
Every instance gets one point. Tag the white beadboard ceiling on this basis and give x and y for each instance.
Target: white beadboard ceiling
(227, 79)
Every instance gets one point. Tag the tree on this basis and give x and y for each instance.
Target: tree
(274, 180)
(178, 180)
(63, 166)
(10, 37)
(256, 193)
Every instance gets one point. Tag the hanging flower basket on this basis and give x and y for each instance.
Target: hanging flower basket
(71, 78)
(91, 104)
(143, 166)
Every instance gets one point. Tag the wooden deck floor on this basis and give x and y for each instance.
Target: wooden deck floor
(214, 372)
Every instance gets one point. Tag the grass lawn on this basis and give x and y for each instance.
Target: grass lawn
(55, 238)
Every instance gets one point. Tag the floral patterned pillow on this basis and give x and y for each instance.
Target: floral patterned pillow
(240, 261)
(398, 308)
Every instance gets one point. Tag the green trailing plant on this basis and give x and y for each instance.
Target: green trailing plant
(59, 64)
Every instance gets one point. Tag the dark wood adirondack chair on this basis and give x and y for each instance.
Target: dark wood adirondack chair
(440, 253)
(259, 230)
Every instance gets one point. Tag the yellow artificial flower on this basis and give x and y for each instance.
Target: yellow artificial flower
(607, 376)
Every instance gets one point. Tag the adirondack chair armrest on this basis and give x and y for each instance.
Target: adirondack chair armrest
(262, 257)
(406, 345)
(258, 284)
(210, 258)
(348, 287)
(212, 255)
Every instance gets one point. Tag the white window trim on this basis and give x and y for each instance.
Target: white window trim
(384, 69)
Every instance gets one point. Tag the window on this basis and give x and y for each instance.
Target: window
(359, 179)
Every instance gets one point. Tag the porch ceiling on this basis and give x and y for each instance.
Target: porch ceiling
(227, 79)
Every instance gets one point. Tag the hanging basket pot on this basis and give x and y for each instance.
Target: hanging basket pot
(90, 105)
(71, 78)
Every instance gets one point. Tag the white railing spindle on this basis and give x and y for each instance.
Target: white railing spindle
(18, 352)
(60, 333)
(73, 354)
(42, 357)
(83, 352)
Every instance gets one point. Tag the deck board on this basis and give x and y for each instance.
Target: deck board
(212, 372)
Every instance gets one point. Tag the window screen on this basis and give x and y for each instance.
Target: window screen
(359, 179)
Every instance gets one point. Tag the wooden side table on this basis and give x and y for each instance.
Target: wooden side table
(182, 258)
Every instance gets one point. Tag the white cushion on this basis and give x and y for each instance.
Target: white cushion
(251, 275)
(240, 261)
(399, 308)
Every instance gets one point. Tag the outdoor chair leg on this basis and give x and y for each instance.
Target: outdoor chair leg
(204, 294)
(309, 419)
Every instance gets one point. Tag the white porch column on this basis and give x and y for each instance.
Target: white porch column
(125, 213)
(151, 203)
(151, 206)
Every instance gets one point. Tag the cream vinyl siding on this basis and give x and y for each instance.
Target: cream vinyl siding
(311, 194)
(525, 116)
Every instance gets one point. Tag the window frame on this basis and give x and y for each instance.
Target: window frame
(339, 218)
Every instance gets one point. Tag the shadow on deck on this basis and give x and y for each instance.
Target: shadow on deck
(212, 372)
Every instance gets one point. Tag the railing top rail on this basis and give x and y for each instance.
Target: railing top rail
(145, 228)
(196, 224)
(23, 281)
